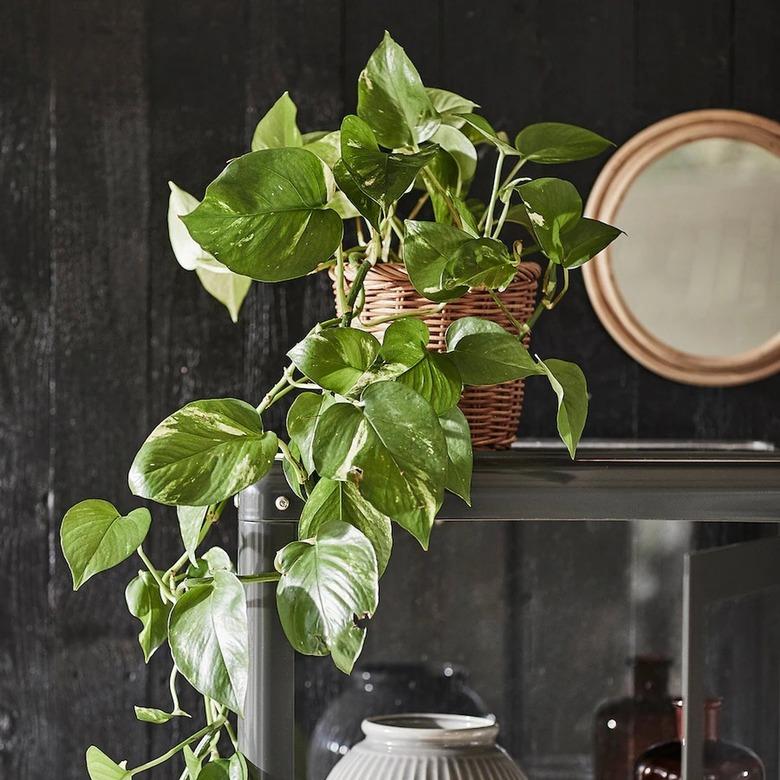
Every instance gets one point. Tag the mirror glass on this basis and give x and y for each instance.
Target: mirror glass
(700, 265)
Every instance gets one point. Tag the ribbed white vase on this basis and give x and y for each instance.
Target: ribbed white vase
(427, 747)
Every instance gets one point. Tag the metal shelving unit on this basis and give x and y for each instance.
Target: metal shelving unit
(720, 483)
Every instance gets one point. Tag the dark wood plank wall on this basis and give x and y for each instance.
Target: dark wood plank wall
(101, 334)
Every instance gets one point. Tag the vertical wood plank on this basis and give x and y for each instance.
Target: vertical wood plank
(197, 82)
(756, 58)
(25, 374)
(100, 259)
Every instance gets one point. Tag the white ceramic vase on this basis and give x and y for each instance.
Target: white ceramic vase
(427, 747)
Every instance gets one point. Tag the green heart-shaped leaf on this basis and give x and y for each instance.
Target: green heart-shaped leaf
(555, 142)
(585, 240)
(332, 500)
(459, 453)
(553, 206)
(145, 602)
(202, 454)
(460, 148)
(568, 383)
(278, 128)
(428, 248)
(436, 379)
(479, 263)
(449, 105)
(216, 770)
(209, 640)
(101, 767)
(365, 205)
(326, 144)
(158, 717)
(190, 522)
(393, 448)
(265, 215)
(405, 342)
(478, 130)
(486, 354)
(302, 420)
(393, 100)
(335, 358)
(326, 583)
(382, 176)
(95, 536)
(228, 288)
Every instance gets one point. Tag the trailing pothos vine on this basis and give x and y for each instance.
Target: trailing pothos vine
(374, 435)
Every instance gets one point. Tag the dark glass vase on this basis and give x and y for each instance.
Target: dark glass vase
(386, 689)
(625, 728)
(722, 760)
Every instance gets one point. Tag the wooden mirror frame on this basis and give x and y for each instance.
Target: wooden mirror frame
(605, 200)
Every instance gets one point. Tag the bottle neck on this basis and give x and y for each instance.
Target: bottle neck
(711, 720)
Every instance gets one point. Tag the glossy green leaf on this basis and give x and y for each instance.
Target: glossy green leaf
(477, 129)
(264, 216)
(95, 536)
(568, 383)
(101, 767)
(327, 582)
(553, 206)
(302, 420)
(237, 767)
(216, 770)
(335, 358)
(157, 717)
(332, 500)
(462, 150)
(208, 636)
(348, 184)
(405, 341)
(145, 603)
(191, 762)
(459, 453)
(393, 448)
(427, 250)
(481, 263)
(449, 105)
(278, 128)
(291, 474)
(190, 522)
(585, 240)
(519, 216)
(382, 176)
(343, 206)
(202, 454)
(228, 288)
(467, 217)
(188, 252)
(555, 142)
(393, 100)
(436, 379)
(326, 145)
(486, 354)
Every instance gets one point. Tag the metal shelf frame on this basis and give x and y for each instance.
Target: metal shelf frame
(533, 483)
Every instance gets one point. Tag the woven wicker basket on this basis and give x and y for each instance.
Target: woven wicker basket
(493, 412)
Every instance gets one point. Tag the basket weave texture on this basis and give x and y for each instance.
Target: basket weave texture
(493, 412)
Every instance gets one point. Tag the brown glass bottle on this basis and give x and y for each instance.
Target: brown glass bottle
(625, 728)
(722, 760)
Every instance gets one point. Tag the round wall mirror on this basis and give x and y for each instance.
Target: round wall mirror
(692, 291)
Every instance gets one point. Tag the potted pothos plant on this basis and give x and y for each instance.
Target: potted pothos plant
(374, 435)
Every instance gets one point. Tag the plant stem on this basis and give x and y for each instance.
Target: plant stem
(501, 305)
(164, 590)
(501, 219)
(418, 206)
(515, 168)
(172, 686)
(494, 193)
(207, 730)
(341, 296)
(247, 579)
(354, 291)
(271, 396)
(419, 313)
(288, 456)
(231, 734)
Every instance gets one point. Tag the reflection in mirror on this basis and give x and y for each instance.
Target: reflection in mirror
(691, 290)
(700, 268)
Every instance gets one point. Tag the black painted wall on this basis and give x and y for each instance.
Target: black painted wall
(101, 333)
